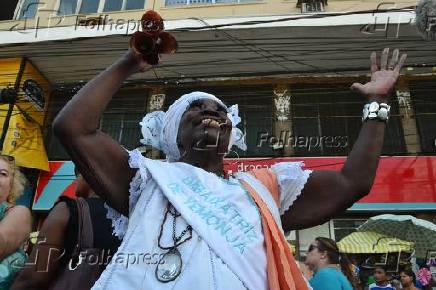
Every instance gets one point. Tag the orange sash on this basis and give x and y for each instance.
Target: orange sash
(282, 270)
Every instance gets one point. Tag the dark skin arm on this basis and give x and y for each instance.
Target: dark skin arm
(44, 261)
(327, 193)
(101, 160)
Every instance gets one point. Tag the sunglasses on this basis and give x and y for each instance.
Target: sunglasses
(311, 248)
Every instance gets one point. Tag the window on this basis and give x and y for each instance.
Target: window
(199, 2)
(8, 9)
(88, 6)
(28, 9)
(118, 5)
(133, 4)
(255, 109)
(344, 227)
(422, 95)
(308, 6)
(113, 5)
(332, 117)
(120, 120)
(67, 7)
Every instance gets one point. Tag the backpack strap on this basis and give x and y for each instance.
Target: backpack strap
(85, 234)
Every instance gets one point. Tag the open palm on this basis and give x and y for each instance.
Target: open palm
(384, 75)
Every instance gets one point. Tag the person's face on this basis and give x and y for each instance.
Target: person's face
(406, 280)
(6, 176)
(380, 275)
(204, 126)
(82, 187)
(314, 256)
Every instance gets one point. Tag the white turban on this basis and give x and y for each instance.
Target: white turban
(159, 129)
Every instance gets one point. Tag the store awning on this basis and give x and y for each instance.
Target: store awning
(17, 33)
(255, 51)
(370, 242)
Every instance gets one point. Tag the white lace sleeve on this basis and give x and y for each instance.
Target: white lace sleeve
(137, 185)
(291, 178)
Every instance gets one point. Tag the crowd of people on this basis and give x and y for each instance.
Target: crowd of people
(328, 269)
(207, 229)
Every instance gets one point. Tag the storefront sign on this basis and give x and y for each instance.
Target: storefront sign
(24, 139)
(402, 183)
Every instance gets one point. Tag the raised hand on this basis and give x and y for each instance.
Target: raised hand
(136, 61)
(384, 75)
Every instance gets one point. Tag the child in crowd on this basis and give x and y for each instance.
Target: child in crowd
(381, 279)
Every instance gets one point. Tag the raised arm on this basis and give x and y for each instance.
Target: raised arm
(101, 160)
(328, 193)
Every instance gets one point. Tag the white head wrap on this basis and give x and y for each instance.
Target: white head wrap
(159, 129)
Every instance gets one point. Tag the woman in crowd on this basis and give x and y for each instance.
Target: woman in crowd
(332, 269)
(408, 279)
(15, 221)
(58, 238)
(208, 230)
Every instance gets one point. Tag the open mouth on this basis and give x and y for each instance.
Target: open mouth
(212, 123)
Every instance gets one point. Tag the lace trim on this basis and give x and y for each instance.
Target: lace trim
(119, 222)
(137, 186)
(292, 179)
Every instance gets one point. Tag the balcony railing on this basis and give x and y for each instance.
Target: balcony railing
(203, 2)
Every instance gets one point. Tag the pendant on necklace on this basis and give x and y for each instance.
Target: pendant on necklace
(169, 266)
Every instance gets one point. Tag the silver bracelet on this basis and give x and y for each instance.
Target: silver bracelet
(376, 111)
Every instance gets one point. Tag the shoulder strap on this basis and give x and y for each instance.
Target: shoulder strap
(269, 180)
(85, 234)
